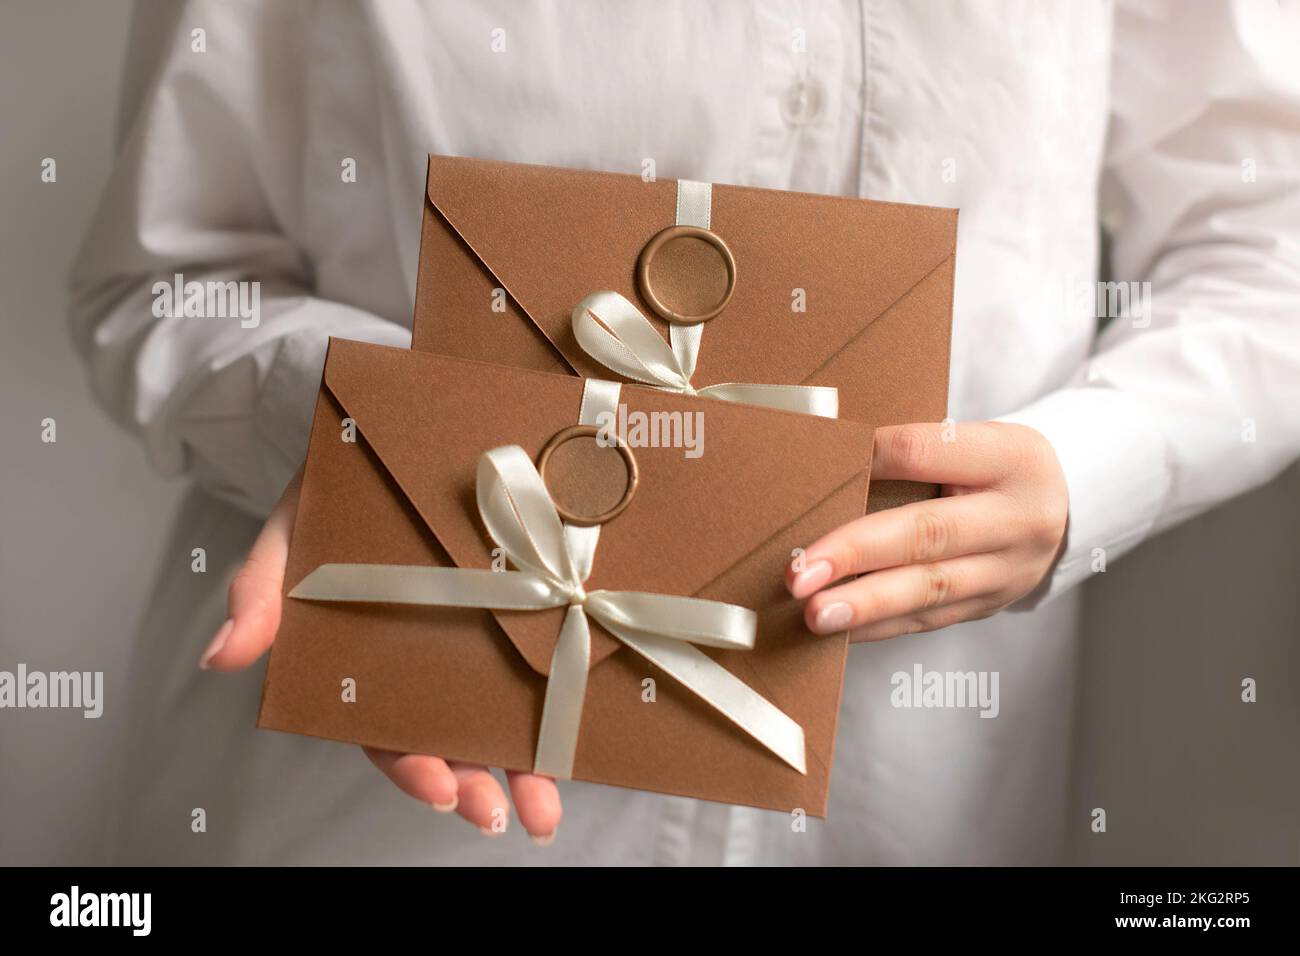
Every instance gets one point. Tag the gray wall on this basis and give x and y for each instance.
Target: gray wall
(1186, 772)
(81, 520)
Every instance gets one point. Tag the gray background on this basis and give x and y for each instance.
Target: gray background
(1187, 773)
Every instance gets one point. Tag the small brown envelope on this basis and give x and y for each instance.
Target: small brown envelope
(469, 684)
(830, 291)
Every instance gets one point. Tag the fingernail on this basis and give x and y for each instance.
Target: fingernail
(833, 617)
(217, 644)
(489, 832)
(545, 839)
(811, 578)
(448, 807)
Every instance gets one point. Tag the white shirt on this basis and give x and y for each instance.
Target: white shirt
(1181, 124)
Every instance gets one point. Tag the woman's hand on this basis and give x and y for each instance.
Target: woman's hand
(469, 789)
(987, 542)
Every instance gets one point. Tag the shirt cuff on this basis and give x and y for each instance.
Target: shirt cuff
(287, 398)
(1116, 475)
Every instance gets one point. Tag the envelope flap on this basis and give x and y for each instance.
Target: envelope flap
(428, 418)
(427, 425)
(813, 272)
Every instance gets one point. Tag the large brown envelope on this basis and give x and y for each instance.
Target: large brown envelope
(877, 281)
(458, 683)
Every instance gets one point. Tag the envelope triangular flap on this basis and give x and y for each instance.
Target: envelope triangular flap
(552, 236)
(428, 418)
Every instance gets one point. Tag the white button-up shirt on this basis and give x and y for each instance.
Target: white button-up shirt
(1179, 128)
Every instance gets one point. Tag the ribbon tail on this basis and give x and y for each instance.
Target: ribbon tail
(695, 621)
(725, 692)
(566, 690)
(818, 400)
(430, 586)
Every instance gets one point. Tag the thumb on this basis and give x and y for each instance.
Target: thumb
(255, 598)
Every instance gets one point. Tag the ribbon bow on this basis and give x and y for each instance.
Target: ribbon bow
(614, 332)
(554, 562)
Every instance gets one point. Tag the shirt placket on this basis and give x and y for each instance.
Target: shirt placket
(809, 112)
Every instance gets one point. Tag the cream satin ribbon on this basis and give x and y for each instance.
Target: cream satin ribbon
(554, 560)
(614, 332)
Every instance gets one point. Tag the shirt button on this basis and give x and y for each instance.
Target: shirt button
(802, 102)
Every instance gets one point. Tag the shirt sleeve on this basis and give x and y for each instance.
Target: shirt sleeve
(1192, 394)
(207, 186)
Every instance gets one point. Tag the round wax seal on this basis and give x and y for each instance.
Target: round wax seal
(590, 482)
(686, 274)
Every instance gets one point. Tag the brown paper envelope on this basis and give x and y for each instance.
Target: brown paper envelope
(877, 279)
(469, 684)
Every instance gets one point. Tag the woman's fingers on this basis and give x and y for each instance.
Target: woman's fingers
(1003, 490)
(427, 779)
(472, 791)
(972, 453)
(482, 801)
(918, 533)
(254, 600)
(537, 801)
(973, 609)
(468, 788)
(903, 591)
